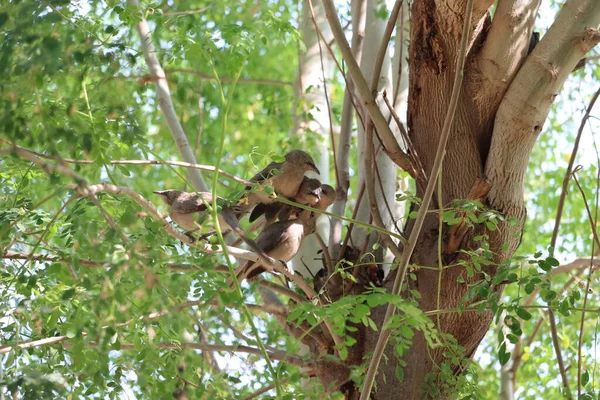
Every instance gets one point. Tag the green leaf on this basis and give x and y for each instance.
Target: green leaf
(523, 314)
(552, 261)
(585, 378)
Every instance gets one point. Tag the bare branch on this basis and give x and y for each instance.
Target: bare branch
(210, 168)
(561, 203)
(505, 48)
(264, 390)
(164, 98)
(392, 147)
(275, 355)
(569, 171)
(527, 102)
(359, 17)
(329, 115)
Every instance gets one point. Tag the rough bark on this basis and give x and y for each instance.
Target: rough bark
(508, 123)
(505, 98)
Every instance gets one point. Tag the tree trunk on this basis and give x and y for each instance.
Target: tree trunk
(484, 142)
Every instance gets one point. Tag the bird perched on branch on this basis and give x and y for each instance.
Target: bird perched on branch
(285, 177)
(280, 241)
(308, 194)
(188, 208)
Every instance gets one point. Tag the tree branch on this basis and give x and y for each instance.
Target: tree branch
(527, 102)
(505, 48)
(210, 168)
(275, 355)
(164, 98)
(359, 15)
(392, 148)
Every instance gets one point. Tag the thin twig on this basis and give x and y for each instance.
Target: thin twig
(278, 355)
(188, 12)
(202, 76)
(265, 390)
(568, 172)
(339, 206)
(590, 274)
(370, 165)
(559, 211)
(414, 235)
(209, 168)
(312, 15)
(283, 291)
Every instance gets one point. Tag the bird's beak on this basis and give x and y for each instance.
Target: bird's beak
(317, 193)
(158, 192)
(314, 168)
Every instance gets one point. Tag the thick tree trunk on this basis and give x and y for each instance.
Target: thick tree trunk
(479, 146)
(504, 99)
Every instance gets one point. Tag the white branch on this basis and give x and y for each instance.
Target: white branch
(392, 147)
(164, 98)
(527, 102)
(505, 48)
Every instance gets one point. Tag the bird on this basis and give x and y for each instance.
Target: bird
(309, 194)
(187, 209)
(284, 177)
(326, 198)
(280, 241)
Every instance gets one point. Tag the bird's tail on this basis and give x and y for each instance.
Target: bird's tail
(230, 217)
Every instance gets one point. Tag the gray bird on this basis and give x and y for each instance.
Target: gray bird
(308, 194)
(280, 241)
(285, 178)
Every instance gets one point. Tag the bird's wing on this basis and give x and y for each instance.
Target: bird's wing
(193, 202)
(267, 172)
(273, 236)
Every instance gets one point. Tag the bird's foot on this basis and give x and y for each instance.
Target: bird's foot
(191, 237)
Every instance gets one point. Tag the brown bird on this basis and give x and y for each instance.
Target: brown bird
(188, 208)
(285, 178)
(327, 197)
(280, 241)
(309, 194)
